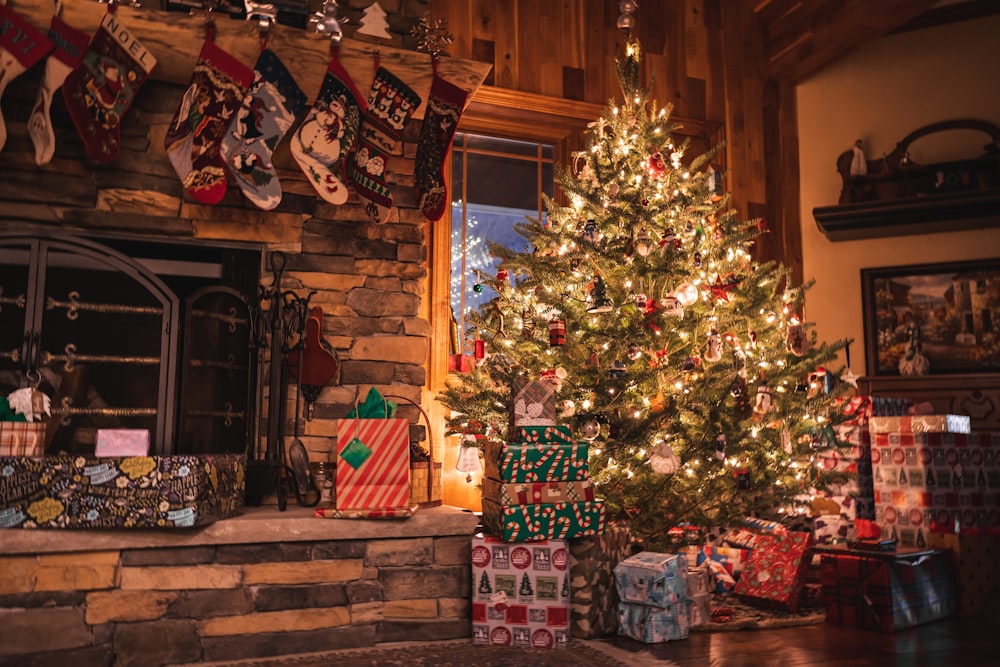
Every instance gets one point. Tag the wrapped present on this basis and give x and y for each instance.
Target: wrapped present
(921, 424)
(537, 462)
(701, 609)
(593, 595)
(122, 442)
(532, 403)
(887, 591)
(520, 523)
(975, 554)
(520, 593)
(537, 493)
(775, 571)
(654, 625)
(724, 582)
(830, 528)
(652, 579)
(742, 538)
(764, 525)
(549, 435)
(124, 492)
(373, 464)
(699, 579)
(19, 438)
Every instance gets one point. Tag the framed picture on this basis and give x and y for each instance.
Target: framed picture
(932, 319)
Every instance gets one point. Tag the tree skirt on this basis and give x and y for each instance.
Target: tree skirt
(731, 614)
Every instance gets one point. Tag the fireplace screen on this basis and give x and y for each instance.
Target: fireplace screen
(131, 334)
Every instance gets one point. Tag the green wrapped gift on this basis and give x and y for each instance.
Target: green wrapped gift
(537, 493)
(558, 521)
(555, 435)
(537, 462)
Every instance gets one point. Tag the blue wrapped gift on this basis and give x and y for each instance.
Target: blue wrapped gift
(652, 579)
(654, 625)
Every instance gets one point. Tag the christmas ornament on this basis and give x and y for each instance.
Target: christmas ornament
(555, 377)
(672, 306)
(786, 440)
(720, 290)
(687, 294)
(100, 90)
(597, 300)
(468, 456)
(567, 408)
(591, 232)
(743, 482)
(720, 446)
(479, 349)
(643, 243)
(797, 342)
(713, 349)
(697, 260)
(374, 23)
(664, 460)
(655, 165)
(477, 286)
(739, 391)
(617, 371)
(848, 376)
(692, 363)
(31, 403)
(528, 323)
(557, 332)
(269, 108)
(634, 352)
(502, 275)
(590, 428)
(390, 105)
(626, 20)
(21, 46)
(329, 133)
(763, 403)
(70, 44)
(444, 108)
(193, 140)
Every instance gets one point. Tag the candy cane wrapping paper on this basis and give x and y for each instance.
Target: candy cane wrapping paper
(543, 522)
(378, 478)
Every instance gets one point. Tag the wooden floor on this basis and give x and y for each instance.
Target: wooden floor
(959, 642)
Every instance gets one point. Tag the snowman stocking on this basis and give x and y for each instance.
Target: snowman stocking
(21, 46)
(268, 110)
(329, 133)
(193, 139)
(70, 44)
(444, 108)
(390, 104)
(100, 90)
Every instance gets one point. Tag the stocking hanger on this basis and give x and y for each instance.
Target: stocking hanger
(326, 22)
(265, 14)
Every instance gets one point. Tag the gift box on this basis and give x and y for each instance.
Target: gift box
(520, 523)
(701, 609)
(537, 462)
(549, 435)
(921, 424)
(373, 464)
(887, 591)
(741, 538)
(120, 492)
(654, 625)
(774, 572)
(122, 442)
(533, 403)
(652, 579)
(593, 594)
(520, 593)
(730, 559)
(699, 579)
(22, 438)
(975, 555)
(537, 493)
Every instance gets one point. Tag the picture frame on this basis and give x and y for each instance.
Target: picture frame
(932, 319)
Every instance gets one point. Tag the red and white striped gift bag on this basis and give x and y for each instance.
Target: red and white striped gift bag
(373, 463)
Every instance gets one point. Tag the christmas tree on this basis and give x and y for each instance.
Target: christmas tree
(687, 364)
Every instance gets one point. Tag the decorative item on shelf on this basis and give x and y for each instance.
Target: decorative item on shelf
(374, 23)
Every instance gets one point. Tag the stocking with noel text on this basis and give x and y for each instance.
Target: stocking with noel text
(328, 135)
(193, 140)
(444, 108)
(21, 46)
(100, 90)
(390, 104)
(70, 45)
(268, 111)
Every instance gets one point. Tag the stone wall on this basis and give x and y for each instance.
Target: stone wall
(164, 598)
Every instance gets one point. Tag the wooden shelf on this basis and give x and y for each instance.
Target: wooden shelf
(931, 214)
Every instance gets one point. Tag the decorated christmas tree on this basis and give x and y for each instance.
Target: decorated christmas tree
(687, 364)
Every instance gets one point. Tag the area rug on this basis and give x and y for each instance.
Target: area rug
(457, 653)
(731, 614)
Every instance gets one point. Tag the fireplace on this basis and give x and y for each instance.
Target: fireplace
(132, 333)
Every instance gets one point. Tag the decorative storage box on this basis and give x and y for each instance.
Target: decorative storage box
(532, 403)
(887, 591)
(654, 625)
(652, 579)
(537, 493)
(122, 442)
(516, 523)
(593, 595)
(537, 462)
(921, 424)
(975, 555)
(520, 593)
(22, 438)
(774, 572)
(129, 492)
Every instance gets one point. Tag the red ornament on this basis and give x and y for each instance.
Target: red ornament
(557, 332)
(720, 290)
(480, 349)
(655, 165)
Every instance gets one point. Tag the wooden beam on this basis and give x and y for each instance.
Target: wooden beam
(175, 40)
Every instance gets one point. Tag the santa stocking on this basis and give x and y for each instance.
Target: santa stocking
(100, 90)
(70, 44)
(444, 108)
(268, 110)
(390, 104)
(194, 137)
(329, 134)
(21, 46)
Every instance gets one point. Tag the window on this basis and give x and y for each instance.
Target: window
(496, 184)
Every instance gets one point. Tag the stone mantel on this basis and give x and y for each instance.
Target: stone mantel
(257, 525)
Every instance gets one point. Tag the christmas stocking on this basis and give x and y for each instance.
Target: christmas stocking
(194, 137)
(21, 46)
(70, 44)
(390, 104)
(268, 110)
(100, 90)
(444, 108)
(329, 134)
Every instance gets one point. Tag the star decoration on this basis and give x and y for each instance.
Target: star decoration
(850, 378)
(432, 36)
(720, 290)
